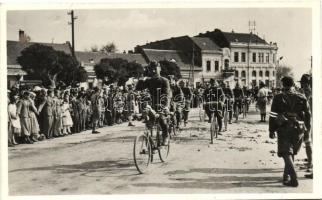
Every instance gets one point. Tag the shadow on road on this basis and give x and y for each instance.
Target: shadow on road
(219, 182)
(95, 168)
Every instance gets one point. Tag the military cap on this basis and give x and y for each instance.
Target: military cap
(154, 64)
(287, 81)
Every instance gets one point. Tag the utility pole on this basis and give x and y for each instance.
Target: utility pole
(71, 13)
(251, 28)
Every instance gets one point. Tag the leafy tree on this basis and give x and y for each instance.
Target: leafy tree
(94, 48)
(51, 66)
(117, 70)
(281, 71)
(170, 68)
(108, 48)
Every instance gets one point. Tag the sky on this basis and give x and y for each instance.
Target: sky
(291, 28)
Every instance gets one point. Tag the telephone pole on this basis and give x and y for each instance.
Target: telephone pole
(71, 13)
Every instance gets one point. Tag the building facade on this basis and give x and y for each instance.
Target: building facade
(228, 57)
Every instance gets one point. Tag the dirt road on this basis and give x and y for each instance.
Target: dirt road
(242, 160)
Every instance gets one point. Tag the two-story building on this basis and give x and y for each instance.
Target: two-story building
(251, 57)
(225, 56)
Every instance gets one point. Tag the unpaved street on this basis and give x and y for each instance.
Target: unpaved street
(243, 159)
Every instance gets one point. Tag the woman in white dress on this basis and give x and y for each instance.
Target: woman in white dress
(14, 127)
(67, 119)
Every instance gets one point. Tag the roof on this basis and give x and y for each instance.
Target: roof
(243, 37)
(205, 43)
(179, 57)
(14, 49)
(14, 70)
(95, 57)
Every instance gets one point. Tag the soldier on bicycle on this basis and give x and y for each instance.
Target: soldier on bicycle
(213, 97)
(187, 92)
(176, 102)
(159, 89)
(239, 97)
(229, 100)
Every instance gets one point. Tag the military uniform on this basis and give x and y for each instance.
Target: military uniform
(159, 90)
(289, 112)
(213, 97)
(290, 118)
(187, 92)
(229, 101)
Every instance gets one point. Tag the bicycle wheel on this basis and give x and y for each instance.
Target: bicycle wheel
(226, 119)
(163, 150)
(201, 114)
(245, 111)
(237, 113)
(142, 153)
(212, 129)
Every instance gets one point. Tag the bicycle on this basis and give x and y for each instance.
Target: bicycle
(237, 109)
(145, 146)
(202, 113)
(214, 128)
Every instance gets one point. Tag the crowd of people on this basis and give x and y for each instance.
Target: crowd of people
(37, 113)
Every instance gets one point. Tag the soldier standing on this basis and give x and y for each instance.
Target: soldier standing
(306, 89)
(290, 118)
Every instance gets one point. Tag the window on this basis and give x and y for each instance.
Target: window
(243, 74)
(208, 66)
(216, 66)
(243, 57)
(236, 59)
(254, 82)
(260, 73)
(273, 73)
(260, 57)
(267, 58)
(254, 73)
(254, 57)
(274, 58)
(267, 73)
(236, 74)
(226, 64)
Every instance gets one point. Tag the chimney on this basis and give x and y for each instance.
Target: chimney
(22, 37)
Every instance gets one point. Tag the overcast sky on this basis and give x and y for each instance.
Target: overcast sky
(291, 28)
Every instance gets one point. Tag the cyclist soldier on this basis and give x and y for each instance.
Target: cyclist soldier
(290, 118)
(176, 101)
(213, 97)
(239, 96)
(159, 89)
(187, 92)
(229, 100)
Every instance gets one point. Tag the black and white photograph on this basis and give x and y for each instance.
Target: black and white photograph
(159, 100)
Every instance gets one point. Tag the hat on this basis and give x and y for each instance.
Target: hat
(287, 81)
(261, 84)
(306, 78)
(154, 64)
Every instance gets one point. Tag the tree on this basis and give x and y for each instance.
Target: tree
(94, 48)
(170, 68)
(108, 48)
(51, 66)
(281, 71)
(117, 70)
